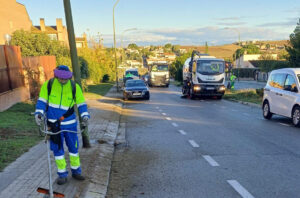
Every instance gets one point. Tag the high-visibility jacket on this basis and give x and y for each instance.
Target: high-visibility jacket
(60, 100)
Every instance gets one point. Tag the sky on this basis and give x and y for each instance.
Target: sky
(183, 22)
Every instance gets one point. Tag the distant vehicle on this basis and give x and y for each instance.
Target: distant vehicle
(281, 95)
(136, 89)
(146, 78)
(203, 75)
(159, 75)
(131, 73)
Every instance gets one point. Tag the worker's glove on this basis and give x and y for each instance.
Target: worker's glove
(85, 121)
(38, 119)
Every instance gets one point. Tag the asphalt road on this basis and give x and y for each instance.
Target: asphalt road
(204, 149)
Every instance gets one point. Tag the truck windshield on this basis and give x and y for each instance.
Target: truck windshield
(210, 67)
(160, 68)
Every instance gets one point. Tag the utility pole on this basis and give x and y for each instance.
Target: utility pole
(116, 62)
(75, 64)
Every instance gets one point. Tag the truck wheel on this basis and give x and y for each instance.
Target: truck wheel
(219, 97)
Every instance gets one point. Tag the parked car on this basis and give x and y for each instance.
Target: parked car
(136, 89)
(281, 95)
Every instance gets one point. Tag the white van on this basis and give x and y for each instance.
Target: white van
(281, 94)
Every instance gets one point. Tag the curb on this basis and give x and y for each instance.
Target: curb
(245, 103)
(98, 186)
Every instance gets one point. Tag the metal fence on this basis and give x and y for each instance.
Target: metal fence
(11, 71)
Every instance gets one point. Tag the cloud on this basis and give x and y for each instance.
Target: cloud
(214, 35)
(229, 19)
(232, 23)
(287, 22)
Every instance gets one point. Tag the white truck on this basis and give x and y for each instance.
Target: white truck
(159, 75)
(203, 75)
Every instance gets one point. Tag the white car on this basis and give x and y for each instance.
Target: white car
(281, 94)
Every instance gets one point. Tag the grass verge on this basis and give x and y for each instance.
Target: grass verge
(18, 132)
(97, 91)
(176, 83)
(246, 95)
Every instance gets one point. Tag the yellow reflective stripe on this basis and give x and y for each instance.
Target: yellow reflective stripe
(74, 160)
(61, 163)
(84, 114)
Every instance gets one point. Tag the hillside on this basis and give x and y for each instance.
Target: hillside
(223, 51)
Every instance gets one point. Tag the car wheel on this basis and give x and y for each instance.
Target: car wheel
(266, 111)
(296, 116)
(167, 85)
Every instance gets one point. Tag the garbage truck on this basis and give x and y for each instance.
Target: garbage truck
(159, 75)
(203, 75)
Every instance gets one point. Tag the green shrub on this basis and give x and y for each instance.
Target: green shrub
(105, 78)
(260, 92)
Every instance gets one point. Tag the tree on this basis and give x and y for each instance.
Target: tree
(38, 44)
(294, 48)
(133, 46)
(206, 48)
(249, 49)
(168, 45)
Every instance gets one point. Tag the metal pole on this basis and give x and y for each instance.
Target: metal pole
(116, 62)
(75, 64)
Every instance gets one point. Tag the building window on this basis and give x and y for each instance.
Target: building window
(53, 37)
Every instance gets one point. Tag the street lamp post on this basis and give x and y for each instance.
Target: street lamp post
(116, 63)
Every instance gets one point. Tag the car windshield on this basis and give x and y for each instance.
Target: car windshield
(135, 73)
(160, 68)
(135, 83)
(210, 67)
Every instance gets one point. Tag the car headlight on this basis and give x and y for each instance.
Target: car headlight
(197, 88)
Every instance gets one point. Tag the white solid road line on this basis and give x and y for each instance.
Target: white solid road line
(164, 114)
(182, 132)
(240, 189)
(174, 124)
(193, 143)
(210, 160)
(284, 124)
(168, 118)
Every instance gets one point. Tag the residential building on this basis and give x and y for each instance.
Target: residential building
(81, 42)
(134, 63)
(244, 61)
(13, 16)
(58, 32)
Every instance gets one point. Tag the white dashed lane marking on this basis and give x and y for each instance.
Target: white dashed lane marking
(182, 132)
(164, 114)
(240, 189)
(210, 160)
(168, 118)
(174, 124)
(193, 143)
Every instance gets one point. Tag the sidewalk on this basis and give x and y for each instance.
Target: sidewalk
(30, 171)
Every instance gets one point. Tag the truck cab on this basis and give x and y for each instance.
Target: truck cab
(159, 75)
(203, 75)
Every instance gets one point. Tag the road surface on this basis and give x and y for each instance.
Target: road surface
(204, 148)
